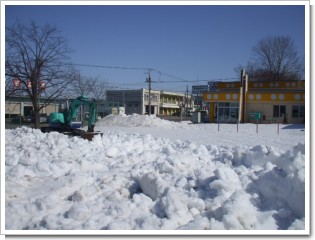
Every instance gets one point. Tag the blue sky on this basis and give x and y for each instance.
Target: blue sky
(187, 42)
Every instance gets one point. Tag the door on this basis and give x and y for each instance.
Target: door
(28, 110)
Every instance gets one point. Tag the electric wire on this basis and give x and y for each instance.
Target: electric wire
(180, 80)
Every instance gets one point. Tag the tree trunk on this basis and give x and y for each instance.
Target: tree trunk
(36, 111)
(37, 122)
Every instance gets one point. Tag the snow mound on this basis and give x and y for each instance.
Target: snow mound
(133, 181)
(136, 120)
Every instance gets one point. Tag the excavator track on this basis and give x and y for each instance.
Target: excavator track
(72, 132)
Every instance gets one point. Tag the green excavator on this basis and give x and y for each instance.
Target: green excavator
(62, 121)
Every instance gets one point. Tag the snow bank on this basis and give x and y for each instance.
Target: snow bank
(207, 134)
(136, 120)
(132, 181)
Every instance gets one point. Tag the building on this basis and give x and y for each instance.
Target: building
(137, 101)
(197, 92)
(22, 105)
(134, 101)
(262, 101)
(170, 103)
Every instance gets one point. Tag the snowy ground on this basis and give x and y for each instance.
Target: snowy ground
(148, 173)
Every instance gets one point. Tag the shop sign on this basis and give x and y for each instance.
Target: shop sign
(29, 84)
(212, 86)
(42, 85)
(16, 83)
(199, 89)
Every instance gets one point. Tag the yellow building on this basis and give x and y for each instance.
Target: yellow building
(262, 101)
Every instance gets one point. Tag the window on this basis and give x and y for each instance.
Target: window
(234, 104)
(279, 111)
(302, 111)
(298, 111)
(221, 104)
(154, 97)
(227, 112)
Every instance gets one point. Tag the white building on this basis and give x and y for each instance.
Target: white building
(137, 101)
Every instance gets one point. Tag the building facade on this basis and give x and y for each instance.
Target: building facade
(261, 101)
(137, 101)
(134, 101)
(171, 102)
(16, 105)
(23, 106)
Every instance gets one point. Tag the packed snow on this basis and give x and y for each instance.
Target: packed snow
(145, 173)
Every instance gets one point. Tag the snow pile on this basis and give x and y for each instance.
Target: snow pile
(207, 134)
(136, 120)
(135, 181)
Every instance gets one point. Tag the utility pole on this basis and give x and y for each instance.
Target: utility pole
(191, 105)
(187, 101)
(149, 83)
(242, 94)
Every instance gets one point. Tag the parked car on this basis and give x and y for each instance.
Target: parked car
(189, 112)
(43, 118)
(29, 119)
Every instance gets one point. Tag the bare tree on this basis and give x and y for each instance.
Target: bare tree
(276, 58)
(10, 90)
(38, 57)
(89, 86)
(251, 71)
(99, 91)
(82, 86)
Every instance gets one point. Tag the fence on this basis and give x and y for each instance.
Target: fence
(257, 127)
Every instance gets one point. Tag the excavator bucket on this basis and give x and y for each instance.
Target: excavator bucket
(89, 135)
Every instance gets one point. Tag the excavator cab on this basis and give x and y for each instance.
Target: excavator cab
(72, 111)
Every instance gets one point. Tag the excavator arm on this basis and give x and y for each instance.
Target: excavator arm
(73, 110)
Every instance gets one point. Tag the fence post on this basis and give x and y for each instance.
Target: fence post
(256, 126)
(237, 126)
(218, 127)
(278, 127)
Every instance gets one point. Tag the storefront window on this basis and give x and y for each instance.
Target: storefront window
(298, 111)
(234, 104)
(302, 111)
(227, 112)
(279, 111)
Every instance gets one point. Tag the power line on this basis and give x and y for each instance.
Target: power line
(102, 66)
(112, 67)
(148, 69)
(168, 75)
(192, 81)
